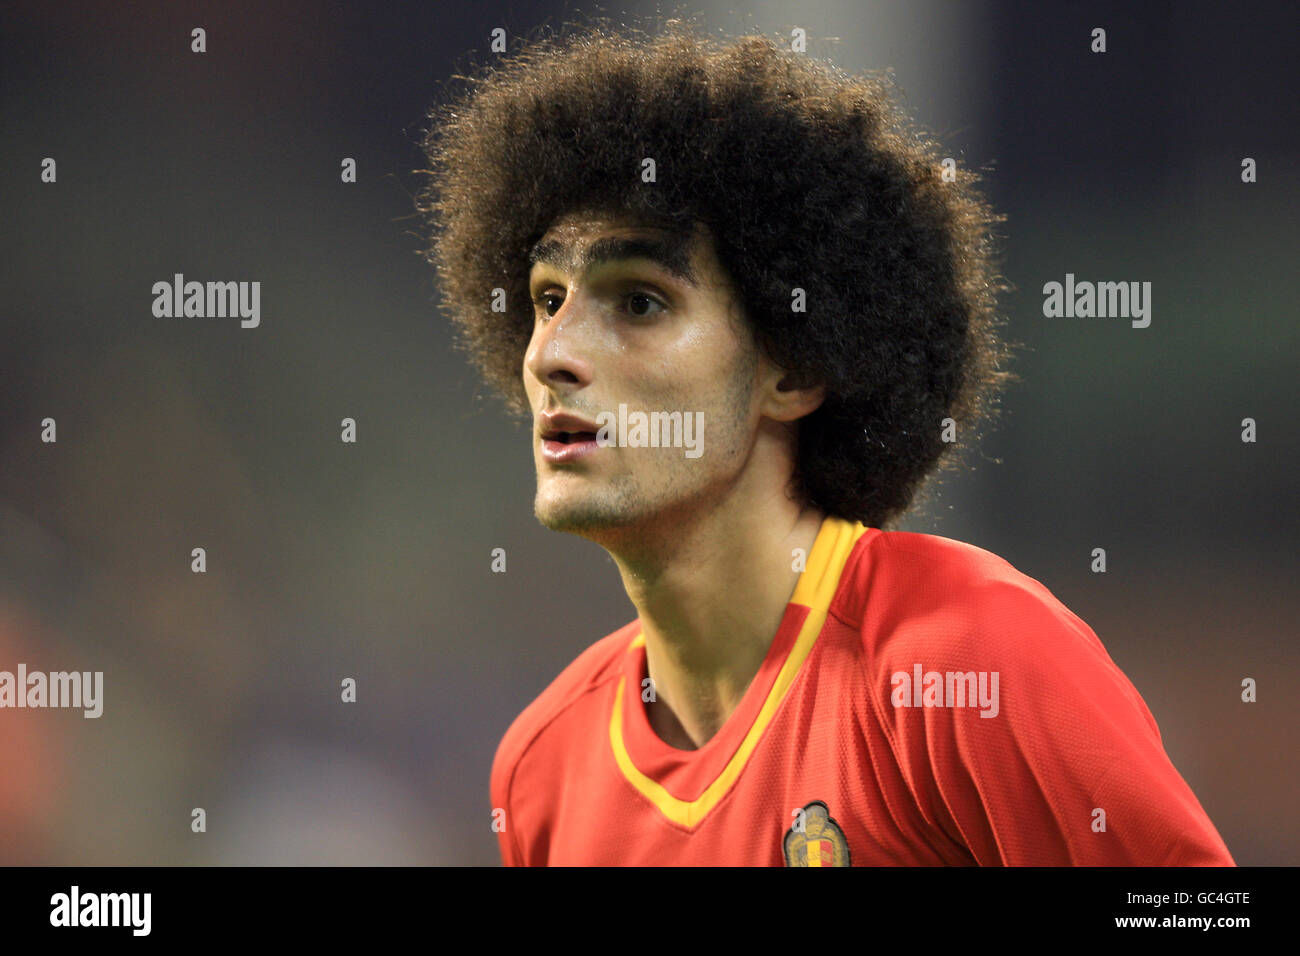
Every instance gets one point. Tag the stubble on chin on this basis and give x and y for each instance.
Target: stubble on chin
(587, 515)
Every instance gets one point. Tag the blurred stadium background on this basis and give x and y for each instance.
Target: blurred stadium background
(371, 560)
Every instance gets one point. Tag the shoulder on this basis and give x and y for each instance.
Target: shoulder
(928, 602)
(592, 669)
(908, 593)
(905, 557)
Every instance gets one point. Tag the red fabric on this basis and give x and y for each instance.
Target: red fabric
(909, 785)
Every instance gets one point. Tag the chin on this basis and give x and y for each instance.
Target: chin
(578, 516)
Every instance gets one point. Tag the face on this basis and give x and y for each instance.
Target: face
(613, 326)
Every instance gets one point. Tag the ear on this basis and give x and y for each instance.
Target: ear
(788, 396)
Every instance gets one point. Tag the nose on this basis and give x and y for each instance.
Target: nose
(556, 354)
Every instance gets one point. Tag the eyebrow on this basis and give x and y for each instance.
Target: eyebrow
(671, 253)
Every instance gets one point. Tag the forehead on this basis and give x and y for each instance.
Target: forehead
(580, 241)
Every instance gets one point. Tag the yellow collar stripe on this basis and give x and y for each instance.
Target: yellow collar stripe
(815, 590)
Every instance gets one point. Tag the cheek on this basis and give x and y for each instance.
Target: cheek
(696, 364)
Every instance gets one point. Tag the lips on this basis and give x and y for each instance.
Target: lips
(565, 428)
(565, 437)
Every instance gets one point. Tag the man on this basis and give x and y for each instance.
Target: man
(756, 256)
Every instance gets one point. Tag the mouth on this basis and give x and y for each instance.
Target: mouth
(555, 436)
(566, 437)
(562, 447)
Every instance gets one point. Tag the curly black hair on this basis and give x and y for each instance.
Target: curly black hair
(806, 176)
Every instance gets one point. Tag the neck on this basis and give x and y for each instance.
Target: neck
(710, 591)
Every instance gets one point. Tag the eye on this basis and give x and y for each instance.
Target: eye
(639, 302)
(544, 301)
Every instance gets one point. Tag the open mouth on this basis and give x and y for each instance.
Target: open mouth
(569, 438)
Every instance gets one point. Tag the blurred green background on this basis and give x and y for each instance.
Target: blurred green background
(372, 561)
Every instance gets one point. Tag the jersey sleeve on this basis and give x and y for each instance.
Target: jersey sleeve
(503, 820)
(1059, 764)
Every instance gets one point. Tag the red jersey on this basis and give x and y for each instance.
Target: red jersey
(922, 703)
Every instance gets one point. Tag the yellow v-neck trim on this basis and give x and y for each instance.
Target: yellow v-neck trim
(815, 589)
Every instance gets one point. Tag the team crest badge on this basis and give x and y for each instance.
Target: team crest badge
(815, 839)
